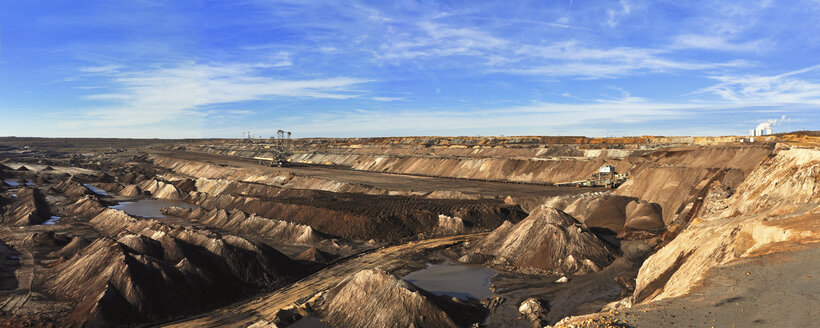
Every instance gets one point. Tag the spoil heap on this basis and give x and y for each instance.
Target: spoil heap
(363, 217)
(241, 223)
(547, 240)
(149, 271)
(27, 208)
(374, 298)
(618, 214)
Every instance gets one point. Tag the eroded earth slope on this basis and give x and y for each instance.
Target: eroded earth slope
(221, 240)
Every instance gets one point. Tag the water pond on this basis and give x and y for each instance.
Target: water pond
(457, 280)
(149, 208)
(16, 182)
(96, 190)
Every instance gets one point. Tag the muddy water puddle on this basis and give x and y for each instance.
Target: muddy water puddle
(16, 182)
(149, 208)
(52, 221)
(457, 280)
(308, 322)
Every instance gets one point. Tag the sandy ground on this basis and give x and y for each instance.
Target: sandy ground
(777, 290)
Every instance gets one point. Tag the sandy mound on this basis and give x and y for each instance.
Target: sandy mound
(28, 208)
(161, 189)
(72, 189)
(152, 271)
(642, 215)
(595, 210)
(547, 240)
(131, 191)
(86, 207)
(451, 194)
(238, 222)
(374, 298)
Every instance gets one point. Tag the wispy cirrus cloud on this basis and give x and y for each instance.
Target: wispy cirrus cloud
(570, 58)
(437, 40)
(167, 93)
(614, 15)
(719, 43)
(762, 90)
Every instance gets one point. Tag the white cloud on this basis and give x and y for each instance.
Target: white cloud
(715, 42)
(438, 40)
(170, 93)
(538, 118)
(569, 58)
(614, 15)
(781, 89)
(101, 69)
(387, 99)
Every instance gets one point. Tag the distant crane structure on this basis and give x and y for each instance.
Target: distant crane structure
(248, 136)
(279, 150)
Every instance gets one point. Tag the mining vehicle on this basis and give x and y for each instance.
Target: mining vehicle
(280, 149)
(606, 176)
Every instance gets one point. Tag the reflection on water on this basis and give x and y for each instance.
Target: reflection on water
(96, 190)
(308, 322)
(149, 208)
(462, 281)
(16, 182)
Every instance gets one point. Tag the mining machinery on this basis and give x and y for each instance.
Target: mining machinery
(605, 177)
(280, 150)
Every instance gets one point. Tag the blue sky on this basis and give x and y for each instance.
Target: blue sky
(380, 68)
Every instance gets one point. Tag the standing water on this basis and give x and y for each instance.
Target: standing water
(462, 281)
(52, 221)
(96, 190)
(149, 208)
(16, 182)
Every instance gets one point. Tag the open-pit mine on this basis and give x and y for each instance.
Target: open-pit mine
(411, 232)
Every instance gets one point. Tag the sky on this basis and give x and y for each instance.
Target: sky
(194, 69)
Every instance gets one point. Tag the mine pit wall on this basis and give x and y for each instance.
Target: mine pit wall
(363, 217)
(776, 209)
(353, 211)
(517, 159)
(196, 170)
(676, 179)
(670, 172)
